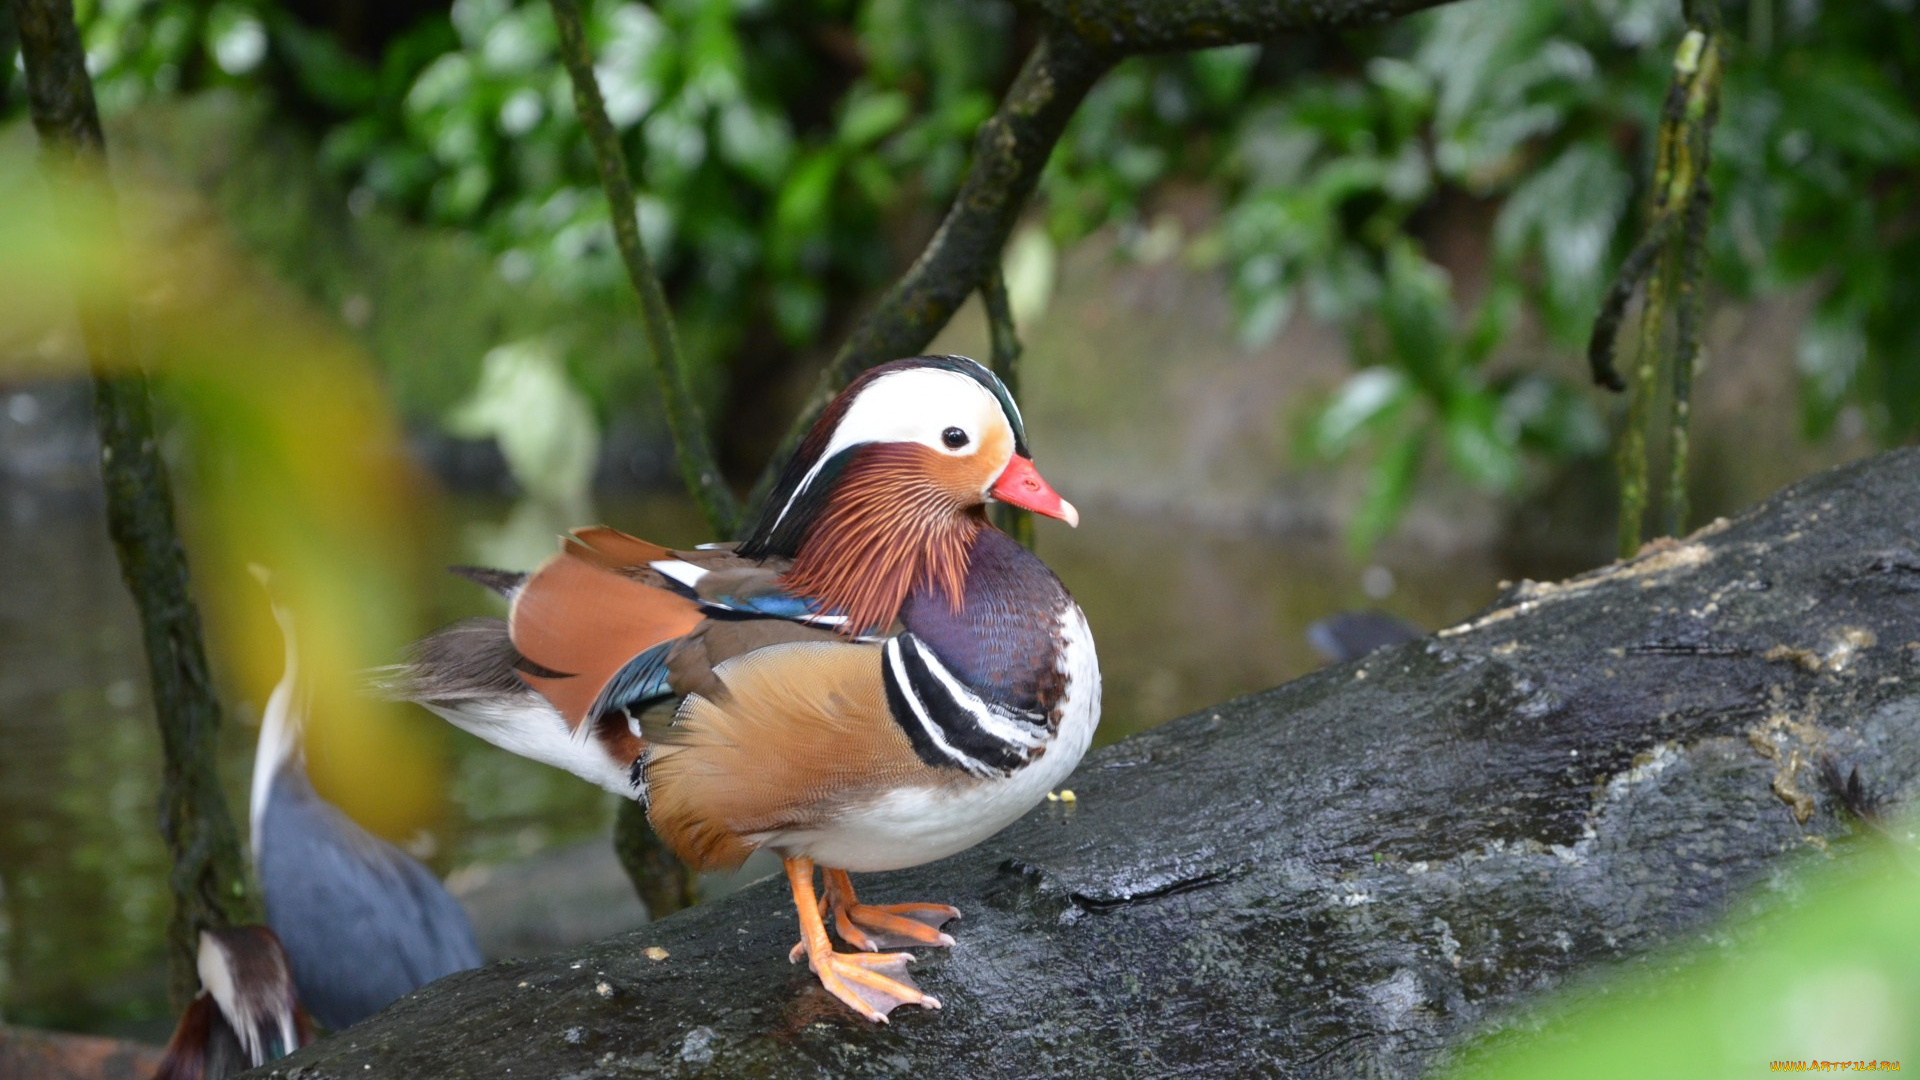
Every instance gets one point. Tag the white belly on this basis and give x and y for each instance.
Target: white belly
(917, 825)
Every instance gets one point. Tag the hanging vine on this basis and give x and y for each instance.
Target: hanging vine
(1673, 249)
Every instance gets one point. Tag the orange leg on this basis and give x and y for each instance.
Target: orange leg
(872, 984)
(873, 927)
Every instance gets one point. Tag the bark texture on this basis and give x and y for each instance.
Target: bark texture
(208, 879)
(1139, 26)
(1344, 876)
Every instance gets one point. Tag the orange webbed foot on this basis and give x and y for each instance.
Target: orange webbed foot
(873, 984)
(872, 927)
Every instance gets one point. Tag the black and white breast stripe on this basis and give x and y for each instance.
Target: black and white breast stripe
(948, 724)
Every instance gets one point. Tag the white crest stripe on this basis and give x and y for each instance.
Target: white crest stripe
(901, 406)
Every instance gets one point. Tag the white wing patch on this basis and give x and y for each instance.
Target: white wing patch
(680, 570)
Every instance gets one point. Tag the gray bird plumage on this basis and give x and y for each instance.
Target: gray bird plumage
(361, 921)
(1350, 635)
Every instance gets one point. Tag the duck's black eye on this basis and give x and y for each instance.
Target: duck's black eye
(954, 438)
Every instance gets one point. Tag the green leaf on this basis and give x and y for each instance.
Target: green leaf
(1493, 322)
(714, 61)
(1343, 284)
(871, 177)
(1263, 315)
(634, 66)
(545, 427)
(757, 140)
(444, 84)
(801, 210)
(1417, 313)
(1552, 417)
(1833, 345)
(323, 69)
(1221, 74)
(458, 195)
(519, 43)
(1031, 265)
(799, 305)
(472, 18)
(871, 117)
(676, 141)
(1568, 213)
(1846, 102)
(1478, 446)
(236, 38)
(1366, 401)
(1891, 380)
(1271, 150)
(1406, 91)
(1389, 488)
(1834, 978)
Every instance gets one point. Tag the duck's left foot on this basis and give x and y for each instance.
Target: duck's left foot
(871, 984)
(872, 927)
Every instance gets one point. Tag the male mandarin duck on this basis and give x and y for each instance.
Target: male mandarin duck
(874, 679)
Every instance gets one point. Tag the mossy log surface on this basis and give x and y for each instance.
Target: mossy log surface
(1348, 875)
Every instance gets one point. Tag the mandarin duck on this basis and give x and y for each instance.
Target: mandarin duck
(875, 678)
(362, 922)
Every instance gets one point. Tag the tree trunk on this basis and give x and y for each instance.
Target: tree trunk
(1344, 876)
(208, 880)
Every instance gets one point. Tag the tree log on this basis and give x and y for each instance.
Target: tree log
(1344, 876)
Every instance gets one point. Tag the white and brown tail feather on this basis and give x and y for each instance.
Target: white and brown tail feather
(246, 1014)
(469, 674)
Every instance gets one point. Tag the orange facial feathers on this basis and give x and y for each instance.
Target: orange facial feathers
(900, 516)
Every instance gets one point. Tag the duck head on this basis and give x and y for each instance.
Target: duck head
(887, 492)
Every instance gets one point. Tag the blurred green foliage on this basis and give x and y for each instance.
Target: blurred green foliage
(791, 152)
(1833, 978)
(779, 147)
(1338, 171)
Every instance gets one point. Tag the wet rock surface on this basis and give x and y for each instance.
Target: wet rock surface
(1347, 875)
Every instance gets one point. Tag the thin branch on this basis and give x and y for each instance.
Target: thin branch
(1633, 448)
(1613, 309)
(1083, 39)
(1005, 363)
(698, 469)
(1689, 313)
(1143, 26)
(1703, 110)
(208, 878)
(1675, 242)
(1009, 153)
(664, 883)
